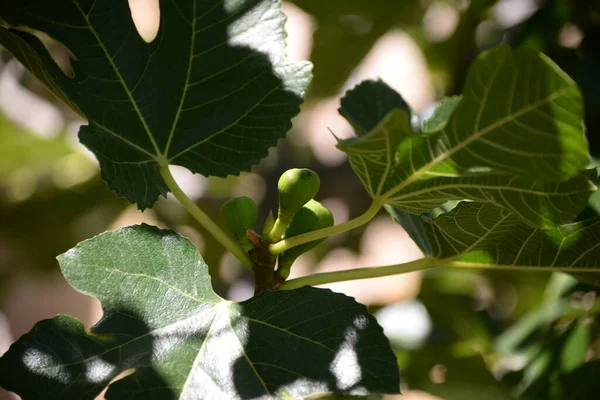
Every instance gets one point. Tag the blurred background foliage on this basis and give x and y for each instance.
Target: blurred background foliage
(457, 334)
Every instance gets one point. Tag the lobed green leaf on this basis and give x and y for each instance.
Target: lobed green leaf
(514, 139)
(211, 93)
(163, 323)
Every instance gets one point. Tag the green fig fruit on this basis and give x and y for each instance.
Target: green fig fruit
(296, 187)
(309, 218)
(239, 214)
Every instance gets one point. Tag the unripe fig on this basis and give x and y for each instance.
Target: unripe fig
(237, 215)
(296, 187)
(311, 217)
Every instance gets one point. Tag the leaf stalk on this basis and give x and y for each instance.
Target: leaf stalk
(227, 241)
(412, 266)
(362, 273)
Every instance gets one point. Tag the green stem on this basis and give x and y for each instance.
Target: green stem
(227, 241)
(417, 265)
(279, 228)
(286, 244)
(362, 273)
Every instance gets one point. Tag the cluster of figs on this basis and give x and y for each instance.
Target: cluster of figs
(298, 213)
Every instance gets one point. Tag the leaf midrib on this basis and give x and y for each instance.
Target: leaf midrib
(187, 79)
(246, 357)
(154, 278)
(199, 353)
(161, 157)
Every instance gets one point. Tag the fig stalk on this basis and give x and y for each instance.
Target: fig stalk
(311, 217)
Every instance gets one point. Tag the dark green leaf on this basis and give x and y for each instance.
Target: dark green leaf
(365, 116)
(163, 319)
(211, 93)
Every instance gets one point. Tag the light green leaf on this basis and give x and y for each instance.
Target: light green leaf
(211, 93)
(162, 318)
(488, 236)
(514, 139)
(441, 114)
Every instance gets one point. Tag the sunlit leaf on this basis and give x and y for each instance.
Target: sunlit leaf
(162, 318)
(212, 92)
(514, 139)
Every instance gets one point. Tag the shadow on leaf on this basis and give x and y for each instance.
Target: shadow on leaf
(211, 93)
(58, 359)
(310, 340)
